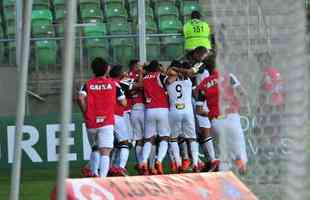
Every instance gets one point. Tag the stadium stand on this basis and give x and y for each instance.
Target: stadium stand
(112, 16)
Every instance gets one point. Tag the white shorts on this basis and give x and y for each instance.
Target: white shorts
(231, 128)
(182, 124)
(103, 137)
(137, 121)
(120, 129)
(203, 122)
(127, 118)
(157, 122)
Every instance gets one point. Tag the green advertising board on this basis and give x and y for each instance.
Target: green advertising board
(40, 145)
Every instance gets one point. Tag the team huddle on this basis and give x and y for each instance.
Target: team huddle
(160, 111)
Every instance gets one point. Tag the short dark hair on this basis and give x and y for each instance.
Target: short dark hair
(116, 71)
(195, 15)
(99, 66)
(200, 50)
(153, 66)
(133, 62)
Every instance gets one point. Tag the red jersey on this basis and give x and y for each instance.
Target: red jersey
(154, 91)
(208, 90)
(137, 97)
(232, 103)
(101, 96)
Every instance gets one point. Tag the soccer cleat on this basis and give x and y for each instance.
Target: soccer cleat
(196, 169)
(186, 163)
(159, 167)
(153, 171)
(143, 169)
(113, 171)
(173, 167)
(241, 166)
(201, 165)
(86, 172)
(215, 165)
(122, 172)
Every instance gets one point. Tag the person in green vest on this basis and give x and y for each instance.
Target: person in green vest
(196, 33)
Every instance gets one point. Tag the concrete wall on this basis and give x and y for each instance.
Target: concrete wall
(8, 90)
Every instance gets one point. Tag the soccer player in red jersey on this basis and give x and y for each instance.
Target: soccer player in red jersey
(156, 115)
(228, 123)
(97, 100)
(137, 112)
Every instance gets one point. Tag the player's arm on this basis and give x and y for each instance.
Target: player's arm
(82, 99)
(191, 71)
(200, 99)
(121, 98)
(235, 83)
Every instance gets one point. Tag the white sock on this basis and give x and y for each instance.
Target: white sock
(123, 155)
(195, 152)
(208, 148)
(162, 150)
(152, 157)
(184, 151)
(114, 157)
(146, 151)
(176, 153)
(104, 165)
(94, 162)
(139, 150)
(170, 154)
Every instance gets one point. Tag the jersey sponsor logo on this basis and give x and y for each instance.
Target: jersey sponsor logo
(149, 76)
(211, 83)
(98, 87)
(100, 119)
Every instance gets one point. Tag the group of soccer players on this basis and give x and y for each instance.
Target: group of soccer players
(161, 111)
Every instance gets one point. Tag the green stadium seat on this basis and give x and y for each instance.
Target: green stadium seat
(151, 26)
(114, 3)
(92, 15)
(123, 50)
(118, 26)
(173, 47)
(153, 48)
(170, 26)
(166, 9)
(9, 16)
(40, 4)
(134, 11)
(11, 30)
(43, 30)
(116, 12)
(60, 15)
(11, 49)
(96, 47)
(8, 4)
(45, 53)
(187, 7)
(98, 30)
(60, 30)
(89, 4)
(59, 5)
(41, 17)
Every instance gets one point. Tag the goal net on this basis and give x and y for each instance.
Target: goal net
(263, 43)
